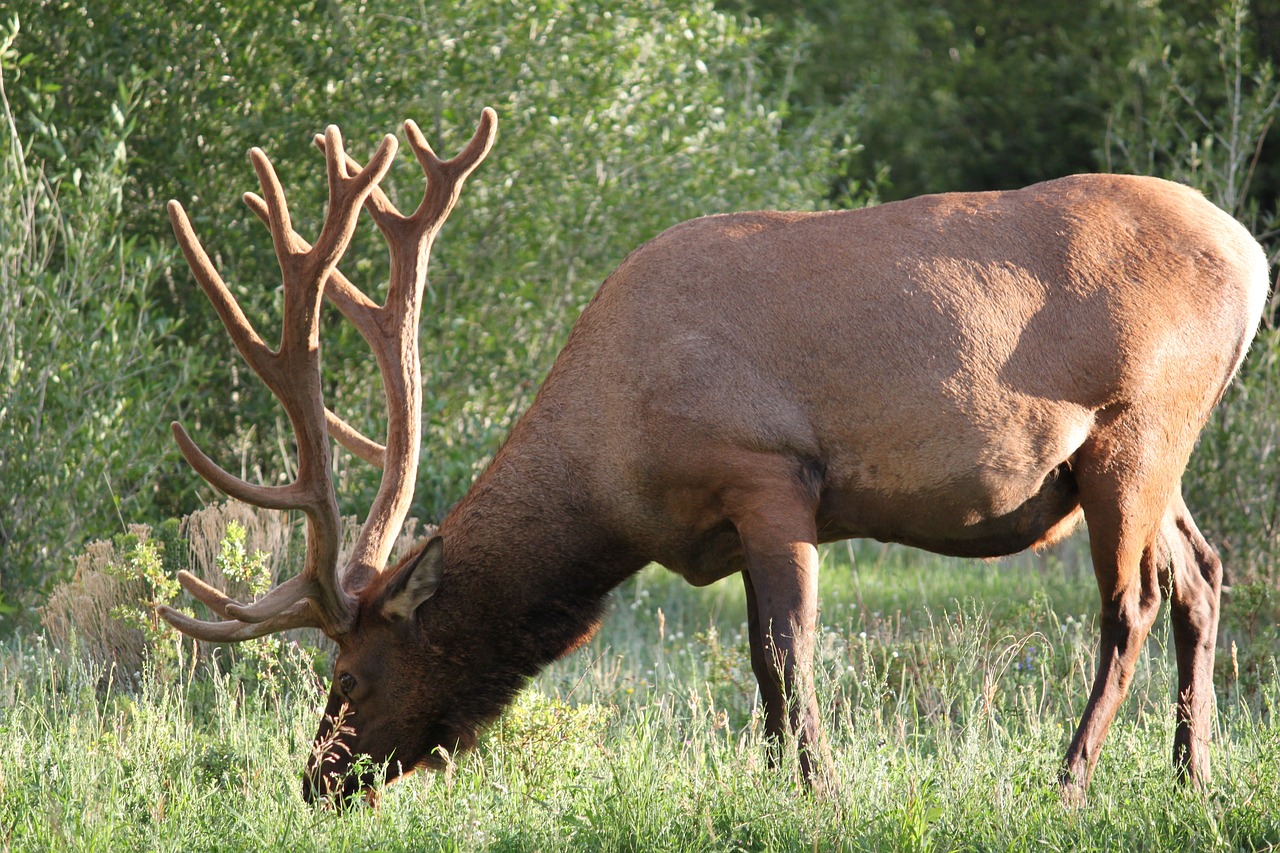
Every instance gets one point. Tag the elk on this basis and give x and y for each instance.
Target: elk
(970, 374)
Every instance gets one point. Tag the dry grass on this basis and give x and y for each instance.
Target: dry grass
(82, 615)
(79, 613)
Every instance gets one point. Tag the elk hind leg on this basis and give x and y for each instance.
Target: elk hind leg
(1196, 590)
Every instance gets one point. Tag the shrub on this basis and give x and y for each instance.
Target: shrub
(1234, 478)
(105, 613)
(82, 380)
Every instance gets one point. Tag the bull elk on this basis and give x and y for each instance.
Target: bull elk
(971, 374)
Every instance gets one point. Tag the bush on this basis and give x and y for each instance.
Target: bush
(105, 614)
(1234, 477)
(82, 380)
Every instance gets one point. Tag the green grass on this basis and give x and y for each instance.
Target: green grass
(951, 689)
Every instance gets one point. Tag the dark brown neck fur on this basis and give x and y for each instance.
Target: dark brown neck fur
(528, 565)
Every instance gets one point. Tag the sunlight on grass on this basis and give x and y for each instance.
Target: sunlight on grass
(950, 689)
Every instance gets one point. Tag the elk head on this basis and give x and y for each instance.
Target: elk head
(380, 704)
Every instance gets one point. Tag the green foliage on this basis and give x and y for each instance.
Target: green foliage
(552, 739)
(963, 95)
(1200, 109)
(1234, 481)
(976, 94)
(258, 658)
(236, 563)
(106, 614)
(82, 382)
(617, 120)
(142, 566)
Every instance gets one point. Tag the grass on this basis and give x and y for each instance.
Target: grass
(951, 689)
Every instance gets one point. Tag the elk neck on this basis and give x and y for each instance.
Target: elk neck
(529, 557)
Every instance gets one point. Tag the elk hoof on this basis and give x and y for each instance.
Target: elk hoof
(1071, 789)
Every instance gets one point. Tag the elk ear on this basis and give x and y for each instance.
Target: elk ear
(416, 582)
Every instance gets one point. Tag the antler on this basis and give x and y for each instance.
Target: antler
(321, 595)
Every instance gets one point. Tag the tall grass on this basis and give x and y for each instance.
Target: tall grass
(950, 689)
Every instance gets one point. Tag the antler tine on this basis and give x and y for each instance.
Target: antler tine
(344, 190)
(380, 206)
(307, 268)
(446, 177)
(316, 596)
(353, 440)
(254, 351)
(213, 598)
(466, 160)
(291, 592)
(396, 347)
(300, 615)
(357, 308)
(268, 497)
(247, 341)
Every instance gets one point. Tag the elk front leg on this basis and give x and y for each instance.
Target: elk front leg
(781, 581)
(1197, 587)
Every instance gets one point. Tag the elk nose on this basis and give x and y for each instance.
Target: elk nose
(318, 790)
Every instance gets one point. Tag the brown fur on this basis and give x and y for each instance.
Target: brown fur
(970, 374)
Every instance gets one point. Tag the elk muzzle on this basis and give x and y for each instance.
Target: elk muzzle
(338, 788)
(330, 779)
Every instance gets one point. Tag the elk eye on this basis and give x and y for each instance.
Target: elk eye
(347, 682)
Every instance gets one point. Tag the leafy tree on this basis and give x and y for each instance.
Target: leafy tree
(79, 344)
(1199, 110)
(977, 94)
(967, 94)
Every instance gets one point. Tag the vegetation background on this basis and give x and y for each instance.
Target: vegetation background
(618, 119)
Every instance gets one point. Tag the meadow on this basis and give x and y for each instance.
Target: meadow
(950, 690)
